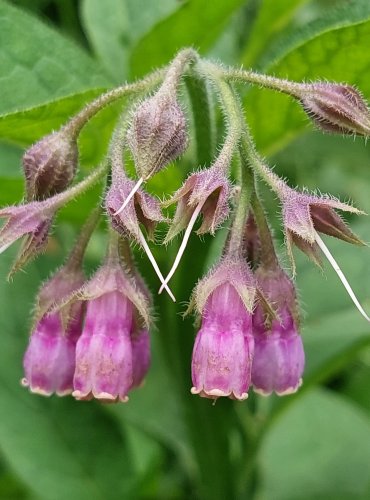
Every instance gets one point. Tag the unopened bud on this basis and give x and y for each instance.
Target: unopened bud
(50, 165)
(336, 108)
(157, 134)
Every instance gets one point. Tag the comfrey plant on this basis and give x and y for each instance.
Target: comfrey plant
(90, 336)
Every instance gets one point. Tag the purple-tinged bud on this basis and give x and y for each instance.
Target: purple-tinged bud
(104, 353)
(50, 165)
(206, 192)
(158, 133)
(278, 361)
(335, 107)
(140, 357)
(304, 215)
(141, 209)
(49, 362)
(223, 350)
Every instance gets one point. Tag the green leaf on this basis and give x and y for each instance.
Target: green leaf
(196, 23)
(61, 449)
(272, 19)
(108, 29)
(37, 64)
(318, 448)
(113, 27)
(331, 48)
(27, 126)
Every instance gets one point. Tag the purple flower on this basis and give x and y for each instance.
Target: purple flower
(206, 192)
(140, 209)
(304, 215)
(223, 349)
(49, 362)
(105, 355)
(278, 355)
(104, 351)
(140, 357)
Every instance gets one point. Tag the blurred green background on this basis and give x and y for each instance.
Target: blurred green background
(165, 443)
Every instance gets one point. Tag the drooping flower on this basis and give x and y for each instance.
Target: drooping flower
(50, 165)
(278, 361)
(142, 208)
(33, 220)
(140, 342)
(127, 211)
(104, 354)
(223, 349)
(49, 362)
(304, 215)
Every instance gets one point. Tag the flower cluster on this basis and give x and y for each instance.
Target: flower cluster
(90, 336)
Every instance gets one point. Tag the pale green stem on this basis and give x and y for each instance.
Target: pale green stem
(68, 195)
(77, 253)
(268, 254)
(75, 125)
(293, 89)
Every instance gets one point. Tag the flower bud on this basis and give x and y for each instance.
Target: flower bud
(157, 134)
(335, 108)
(50, 165)
(278, 361)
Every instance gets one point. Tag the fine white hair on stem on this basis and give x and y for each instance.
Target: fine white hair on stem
(341, 276)
(155, 265)
(4, 247)
(134, 189)
(182, 246)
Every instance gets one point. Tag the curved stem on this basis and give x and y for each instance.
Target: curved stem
(75, 125)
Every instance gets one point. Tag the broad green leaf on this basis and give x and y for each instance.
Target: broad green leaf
(108, 29)
(196, 23)
(331, 48)
(27, 126)
(317, 448)
(115, 25)
(61, 449)
(272, 19)
(37, 64)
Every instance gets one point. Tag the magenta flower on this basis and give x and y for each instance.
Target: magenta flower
(223, 349)
(129, 206)
(49, 362)
(278, 356)
(205, 192)
(140, 357)
(104, 354)
(304, 215)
